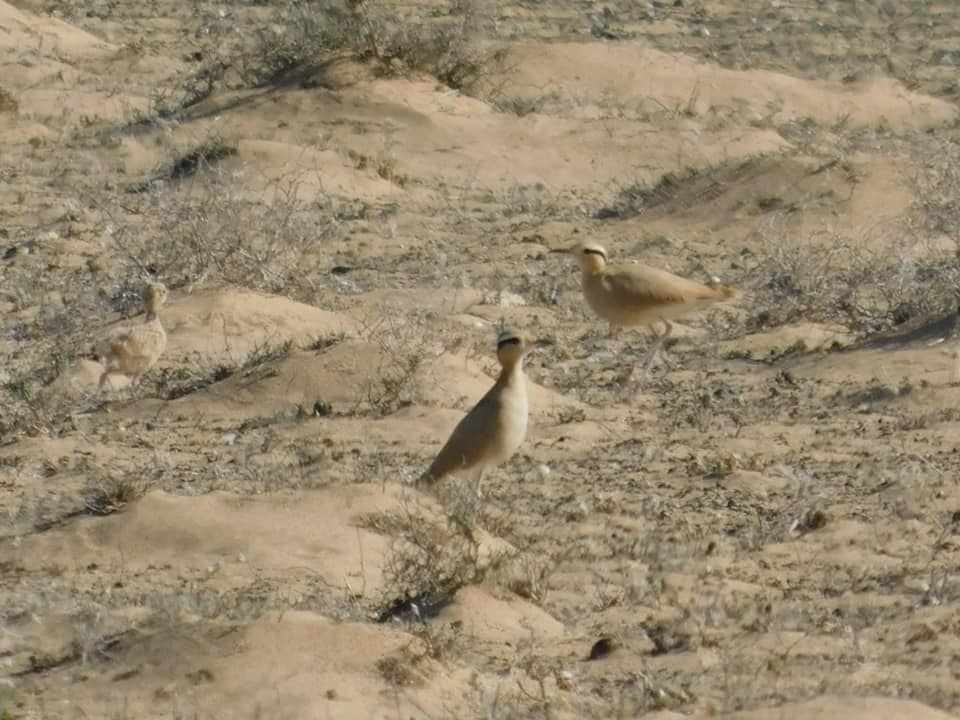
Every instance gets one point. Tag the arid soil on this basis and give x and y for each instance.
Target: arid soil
(346, 202)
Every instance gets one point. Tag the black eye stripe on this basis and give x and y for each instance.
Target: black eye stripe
(592, 251)
(512, 340)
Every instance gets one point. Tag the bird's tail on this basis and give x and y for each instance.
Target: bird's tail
(723, 292)
(728, 292)
(428, 479)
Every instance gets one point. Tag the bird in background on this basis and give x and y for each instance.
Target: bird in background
(132, 351)
(628, 295)
(494, 429)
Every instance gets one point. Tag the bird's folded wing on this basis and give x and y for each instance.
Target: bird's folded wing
(469, 441)
(650, 287)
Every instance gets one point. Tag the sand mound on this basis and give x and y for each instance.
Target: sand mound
(53, 67)
(320, 532)
(845, 708)
(491, 619)
(434, 136)
(341, 175)
(224, 328)
(636, 73)
(758, 525)
(288, 666)
(889, 368)
(449, 301)
(228, 324)
(314, 532)
(355, 374)
(340, 378)
(802, 337)
(25, 32)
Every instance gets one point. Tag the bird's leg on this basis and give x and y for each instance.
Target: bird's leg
(664, 355)
(656, 350)
(624, 376)
(477, 479)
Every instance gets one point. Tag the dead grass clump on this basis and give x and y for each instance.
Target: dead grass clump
(445, 51)
(28, 407)
(401, 669)
(8, 103)
(301, 36)
(183, 380)
(325, 342)
(527, 576)
(110, 494)
(203, 155)
(638, 197)
(409, 666)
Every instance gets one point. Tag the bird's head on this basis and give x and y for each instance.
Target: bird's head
(154, 295)
(510, 347)
(591, 256)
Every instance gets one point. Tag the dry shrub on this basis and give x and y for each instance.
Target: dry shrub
(207, 228)
(902, 269)
(27, 407)
(450, 50)
(937, 187)
(303, 35)
(403, 343)
(429, 560)
(446, 45)
(869, 287)
(49, 342)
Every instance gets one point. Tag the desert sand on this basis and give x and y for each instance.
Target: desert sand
(345, 209)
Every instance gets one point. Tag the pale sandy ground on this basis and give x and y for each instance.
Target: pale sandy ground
(768, 530)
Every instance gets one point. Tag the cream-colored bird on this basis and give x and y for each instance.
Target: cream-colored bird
(628, 295)
(495, 428)
(132, 351)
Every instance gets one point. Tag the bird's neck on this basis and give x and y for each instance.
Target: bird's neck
(592, 271)
(511, 372)
(151, 315)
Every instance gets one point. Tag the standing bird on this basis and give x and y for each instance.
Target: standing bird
(132, 351)
(494, 429)
(627, 295)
